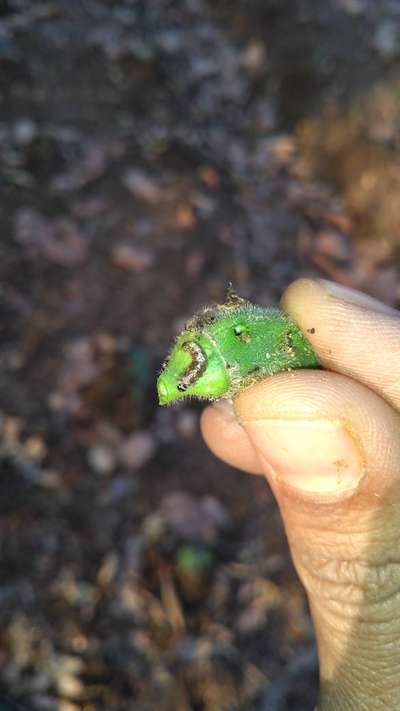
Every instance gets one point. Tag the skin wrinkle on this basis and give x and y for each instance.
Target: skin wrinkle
(349, 610)
(316, 560)
(332, 530)
(368, 665)
(370, 688)
(337, 632)
(353, 573)
(334, 535)
(379, 661)
(362, 657)
(379, 604)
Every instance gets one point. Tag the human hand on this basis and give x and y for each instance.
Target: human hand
(328, 442)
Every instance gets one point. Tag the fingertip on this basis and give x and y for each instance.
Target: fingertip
(351, 333)
(227, 439)
(302, 300)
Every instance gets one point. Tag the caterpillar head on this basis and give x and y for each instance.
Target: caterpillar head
(194, 367)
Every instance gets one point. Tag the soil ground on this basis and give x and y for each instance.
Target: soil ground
(150, 153)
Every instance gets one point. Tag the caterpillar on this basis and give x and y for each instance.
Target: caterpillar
(228, 347)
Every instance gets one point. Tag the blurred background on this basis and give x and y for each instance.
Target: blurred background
(150, 152)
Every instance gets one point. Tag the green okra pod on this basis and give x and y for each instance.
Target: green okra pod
(227, 347)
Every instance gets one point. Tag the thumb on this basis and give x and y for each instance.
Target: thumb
(330, 449)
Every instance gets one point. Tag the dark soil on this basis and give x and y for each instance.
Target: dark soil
(150, 153)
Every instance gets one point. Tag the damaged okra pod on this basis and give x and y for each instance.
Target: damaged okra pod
(228, 347)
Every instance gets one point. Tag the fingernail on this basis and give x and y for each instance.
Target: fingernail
(357, 298)
(316, 456)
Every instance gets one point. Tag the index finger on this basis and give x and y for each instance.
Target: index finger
(352, 333)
